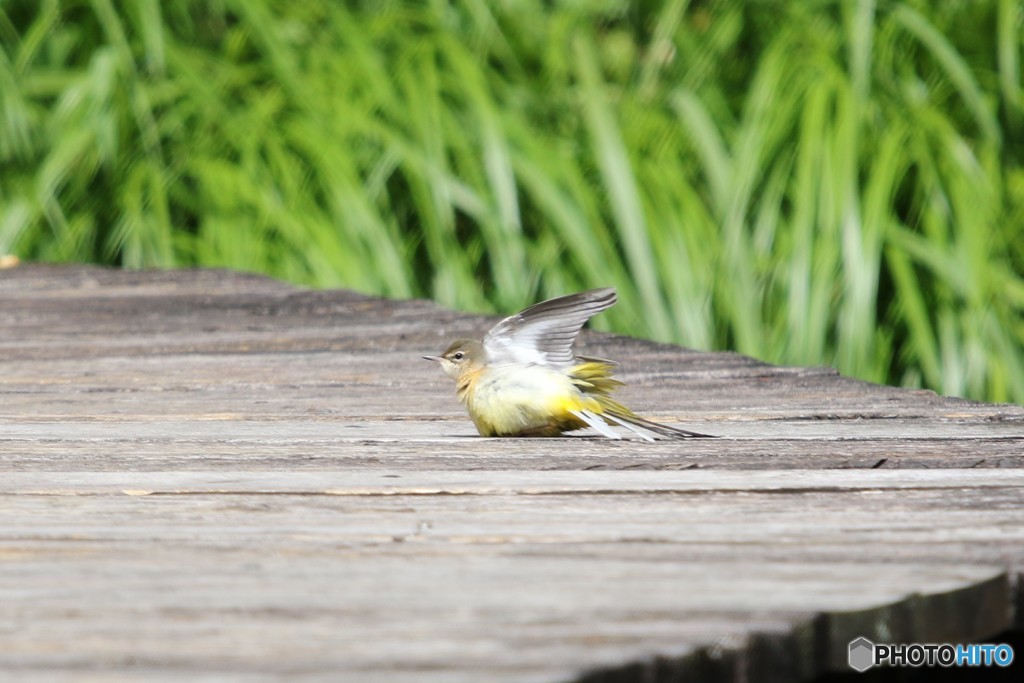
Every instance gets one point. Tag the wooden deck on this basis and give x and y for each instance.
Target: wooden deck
(219, 477)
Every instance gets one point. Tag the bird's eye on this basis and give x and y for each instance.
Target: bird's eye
(458, 355)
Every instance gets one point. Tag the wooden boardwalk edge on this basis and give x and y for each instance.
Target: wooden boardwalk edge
(820, 645)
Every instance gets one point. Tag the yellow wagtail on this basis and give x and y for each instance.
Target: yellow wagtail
(524, 379)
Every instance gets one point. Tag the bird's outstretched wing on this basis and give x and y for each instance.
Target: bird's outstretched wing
(544, 333)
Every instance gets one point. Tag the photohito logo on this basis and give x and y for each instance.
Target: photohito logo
(864, 654)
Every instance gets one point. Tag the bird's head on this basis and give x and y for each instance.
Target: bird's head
(464, 355)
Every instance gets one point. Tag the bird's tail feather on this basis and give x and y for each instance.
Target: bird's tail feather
(594, 378)
(627, 418)
(596, 422)
(608, 417)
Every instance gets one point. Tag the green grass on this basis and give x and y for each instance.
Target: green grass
(808, 182)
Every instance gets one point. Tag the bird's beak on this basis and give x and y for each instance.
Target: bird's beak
(436, 359)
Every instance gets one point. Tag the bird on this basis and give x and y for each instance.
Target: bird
(524, 378)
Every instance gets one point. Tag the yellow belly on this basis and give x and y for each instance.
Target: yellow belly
(525, 401)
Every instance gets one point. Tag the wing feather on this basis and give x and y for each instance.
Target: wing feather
(544, 334)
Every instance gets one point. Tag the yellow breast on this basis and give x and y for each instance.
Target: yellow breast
(522, 400)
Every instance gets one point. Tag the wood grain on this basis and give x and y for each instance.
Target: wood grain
(213, 475)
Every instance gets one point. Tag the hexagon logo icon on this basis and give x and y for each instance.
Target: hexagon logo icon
(862, 654)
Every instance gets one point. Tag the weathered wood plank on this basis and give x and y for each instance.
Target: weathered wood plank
(229, 440)
(427, 482)
(218, 476)
(596, 560)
